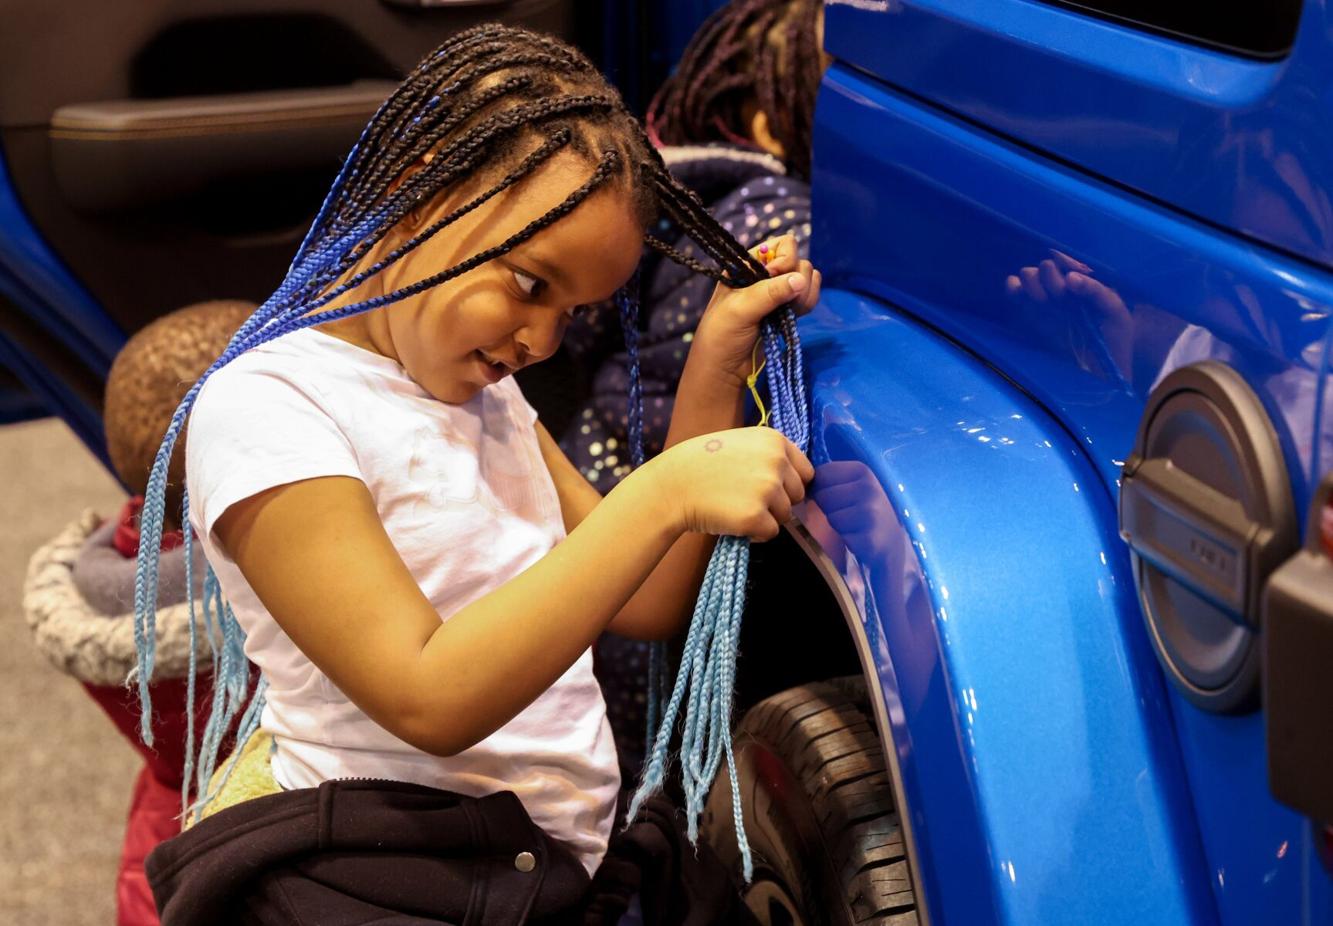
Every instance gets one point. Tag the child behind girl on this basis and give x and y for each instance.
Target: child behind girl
(417, 569)
(733, 123)
(79, 600)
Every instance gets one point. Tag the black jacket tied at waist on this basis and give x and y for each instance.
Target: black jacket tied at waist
(386, 853)
(359, 852)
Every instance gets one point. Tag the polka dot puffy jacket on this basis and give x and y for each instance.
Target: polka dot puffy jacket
(753, 198)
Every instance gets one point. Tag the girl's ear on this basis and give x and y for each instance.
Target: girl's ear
(417, 216)
(763, 136)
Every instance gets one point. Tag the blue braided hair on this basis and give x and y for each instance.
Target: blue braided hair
(706, 679)
(493, 101)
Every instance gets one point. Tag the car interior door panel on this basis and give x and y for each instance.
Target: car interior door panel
(173, 152)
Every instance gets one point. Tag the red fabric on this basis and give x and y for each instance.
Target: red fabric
(126, 538)
(156, 801)
(152, 820)
(166, 757)
(157, 798)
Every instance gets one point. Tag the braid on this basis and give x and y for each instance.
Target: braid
(609, 164)
(760, 52)
(737, 267)
(685, 260)
(706, 679)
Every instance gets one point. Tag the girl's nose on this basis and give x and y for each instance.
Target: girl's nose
(540, 337)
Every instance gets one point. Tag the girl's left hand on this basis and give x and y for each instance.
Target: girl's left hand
(730, 325)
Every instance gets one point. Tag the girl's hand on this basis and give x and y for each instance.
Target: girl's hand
(730, 325)
(741, 482)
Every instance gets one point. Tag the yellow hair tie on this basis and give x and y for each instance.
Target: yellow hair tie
(757, 367)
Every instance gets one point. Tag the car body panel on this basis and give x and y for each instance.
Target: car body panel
(1244, 144)
(1031, 723)
(956, 212)
(35, 282)
(933, 215)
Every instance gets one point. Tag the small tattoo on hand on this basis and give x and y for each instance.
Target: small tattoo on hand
(713, 446)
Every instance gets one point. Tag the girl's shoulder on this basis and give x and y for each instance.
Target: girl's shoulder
(306, 361)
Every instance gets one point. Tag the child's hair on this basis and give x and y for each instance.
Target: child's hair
(149, 377)
(760, 53)
(493, 104)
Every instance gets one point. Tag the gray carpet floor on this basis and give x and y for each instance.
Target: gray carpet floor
(65, 773)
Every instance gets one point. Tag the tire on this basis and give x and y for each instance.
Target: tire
(819, 811)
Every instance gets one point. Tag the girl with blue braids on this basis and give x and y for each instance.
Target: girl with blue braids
(402, 550)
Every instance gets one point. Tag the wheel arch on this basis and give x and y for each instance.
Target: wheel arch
(967, 550)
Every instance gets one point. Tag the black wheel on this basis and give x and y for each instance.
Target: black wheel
(819, 811)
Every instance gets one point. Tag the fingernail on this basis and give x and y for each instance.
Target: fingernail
(796, 282)
(763, 249)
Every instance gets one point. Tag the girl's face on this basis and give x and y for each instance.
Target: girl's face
(478, 328)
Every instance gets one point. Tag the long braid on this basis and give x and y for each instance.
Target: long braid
(705, 680)
(558, 100)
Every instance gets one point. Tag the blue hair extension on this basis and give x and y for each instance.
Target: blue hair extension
(248, 726)
(192, 676)
(706, 680)
(627, 300)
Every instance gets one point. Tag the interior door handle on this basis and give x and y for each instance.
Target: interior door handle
(124, 154)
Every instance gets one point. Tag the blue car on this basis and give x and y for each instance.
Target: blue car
(1046, 644)
(1073, 436)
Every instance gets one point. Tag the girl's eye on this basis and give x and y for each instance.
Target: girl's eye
(529, 284)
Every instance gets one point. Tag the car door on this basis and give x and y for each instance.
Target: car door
(157, 153)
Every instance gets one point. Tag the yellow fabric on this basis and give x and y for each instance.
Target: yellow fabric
(251, 778)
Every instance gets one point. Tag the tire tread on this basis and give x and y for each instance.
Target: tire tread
(821, 730)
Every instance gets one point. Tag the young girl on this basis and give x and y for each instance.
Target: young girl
(417, 568)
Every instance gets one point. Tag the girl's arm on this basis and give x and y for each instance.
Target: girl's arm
(317, 556)
(711, 397)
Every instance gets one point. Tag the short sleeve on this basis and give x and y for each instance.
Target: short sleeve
(252, 429)
(525, 408)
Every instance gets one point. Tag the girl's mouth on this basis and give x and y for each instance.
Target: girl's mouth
(492, 370)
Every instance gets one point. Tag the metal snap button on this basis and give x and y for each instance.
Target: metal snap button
(525, 861)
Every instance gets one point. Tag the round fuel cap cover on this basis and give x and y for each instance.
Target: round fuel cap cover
(1209, 444)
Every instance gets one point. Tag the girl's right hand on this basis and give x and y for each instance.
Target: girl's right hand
(741, 482)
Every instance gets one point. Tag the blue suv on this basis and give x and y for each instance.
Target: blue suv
(1069, 385)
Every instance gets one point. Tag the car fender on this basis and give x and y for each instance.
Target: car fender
(1023, 713)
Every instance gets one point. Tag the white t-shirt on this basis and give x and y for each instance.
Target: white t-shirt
(467, 501)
